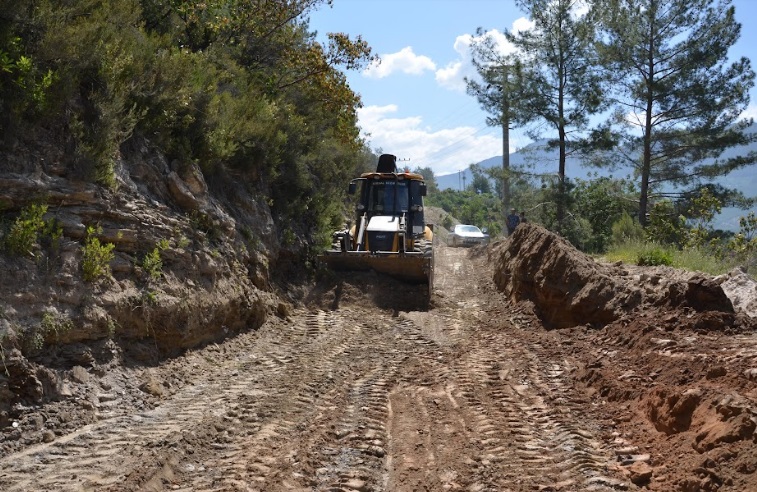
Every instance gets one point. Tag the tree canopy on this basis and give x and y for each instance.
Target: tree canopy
(241, 86)
(550, 77)
(678, 97)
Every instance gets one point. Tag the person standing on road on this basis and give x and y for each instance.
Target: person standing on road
(512, 221)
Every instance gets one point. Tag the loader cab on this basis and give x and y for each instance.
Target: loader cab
(395, 195)
(389, 211)
(389, 235)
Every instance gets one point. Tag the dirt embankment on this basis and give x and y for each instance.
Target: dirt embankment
(569, 288)
(209, 276)
(669, 357)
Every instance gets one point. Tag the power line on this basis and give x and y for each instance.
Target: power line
(457, 147)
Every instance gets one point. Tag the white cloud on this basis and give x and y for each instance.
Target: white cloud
(523, 24)
(404, 61)
(751, 112)
(444, 151)
(447, 150)
(500, 41)
(452, 75)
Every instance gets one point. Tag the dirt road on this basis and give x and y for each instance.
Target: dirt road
(357, 398)
(348, 394)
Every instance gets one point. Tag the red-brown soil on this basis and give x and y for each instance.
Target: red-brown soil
(533, 368)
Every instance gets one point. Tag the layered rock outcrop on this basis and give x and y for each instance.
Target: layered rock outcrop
(216, 244)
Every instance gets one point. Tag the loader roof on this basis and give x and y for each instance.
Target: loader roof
(403, 175)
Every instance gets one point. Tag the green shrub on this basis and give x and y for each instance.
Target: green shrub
(202, 222)
(25, 231)
(55, 325)
(703, 259)
(149, 297)
(692, 259)
(32, 341)
(666, 224)
(96, 256)
(50, 329)
(578, 232)
(182, 242)
(288, 237)
(111, 326)
(654, 257)
(153, 264)
(742, 247)
(626, 229)
(2, 359)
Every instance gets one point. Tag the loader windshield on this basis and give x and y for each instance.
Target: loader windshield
(388, 197)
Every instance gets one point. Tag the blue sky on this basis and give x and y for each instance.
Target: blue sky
(414, 103)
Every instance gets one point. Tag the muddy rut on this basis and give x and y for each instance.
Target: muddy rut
(463, 396)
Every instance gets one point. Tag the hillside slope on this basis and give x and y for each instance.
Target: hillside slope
(192, 264)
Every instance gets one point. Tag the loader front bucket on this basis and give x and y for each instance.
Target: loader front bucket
(409, 267)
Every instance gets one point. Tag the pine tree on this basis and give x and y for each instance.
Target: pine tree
(497, 93)
(678, 99)
(554, 81)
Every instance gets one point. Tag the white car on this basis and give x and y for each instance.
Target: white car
(466, 235)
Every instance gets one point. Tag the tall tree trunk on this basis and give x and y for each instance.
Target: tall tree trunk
(646, 164)
(561, 199)
(561, 190)
(505, 150)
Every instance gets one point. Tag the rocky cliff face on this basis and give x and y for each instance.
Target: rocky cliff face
(216, 244)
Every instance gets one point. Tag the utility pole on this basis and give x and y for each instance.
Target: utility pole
(505, 148)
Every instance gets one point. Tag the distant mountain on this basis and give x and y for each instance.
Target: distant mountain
(538, 159)
(535, 159)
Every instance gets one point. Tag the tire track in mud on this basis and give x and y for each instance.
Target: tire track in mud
(270, 413)
(733, 348)
(91, 458)
(506, 403)
(88, 452)
(524, 413)
(736, 352)
(283, 393)
(348, 449)
(335, 441)
(351, 400)
(525, 418)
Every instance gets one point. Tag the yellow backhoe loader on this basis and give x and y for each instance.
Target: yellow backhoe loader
(389, 234)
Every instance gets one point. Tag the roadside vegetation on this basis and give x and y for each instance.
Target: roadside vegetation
(244, 89)
(600, 220)
(233, 87)
(644, 83)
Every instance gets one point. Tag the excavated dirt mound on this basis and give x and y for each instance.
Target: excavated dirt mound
(668, 357)
(569, 288)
